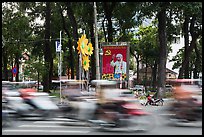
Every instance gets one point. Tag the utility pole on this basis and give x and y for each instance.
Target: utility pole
(60, 67)
(96, 43)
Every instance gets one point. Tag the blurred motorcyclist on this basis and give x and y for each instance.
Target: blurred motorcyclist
(26, 95)
(108, 105)
(185, 104)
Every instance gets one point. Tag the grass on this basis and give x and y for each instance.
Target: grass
(168, 95)
(55, 93)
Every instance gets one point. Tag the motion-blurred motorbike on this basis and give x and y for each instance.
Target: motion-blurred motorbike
(185, 112)
(126, 116)
(186, 109)
(7, 117)
(114, 111)
(33, 104)
(124, 113)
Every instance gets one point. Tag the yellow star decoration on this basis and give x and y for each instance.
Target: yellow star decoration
(86, 49)
(90, 49)
(85, 62)
(82, 45)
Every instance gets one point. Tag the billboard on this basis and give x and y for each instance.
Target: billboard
(115, 62)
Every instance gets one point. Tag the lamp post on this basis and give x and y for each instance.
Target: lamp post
(96, 43)
(100, 59)
(60, 65)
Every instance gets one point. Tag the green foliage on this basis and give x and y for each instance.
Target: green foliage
(147, 46)
(33, 66)
(23, 33)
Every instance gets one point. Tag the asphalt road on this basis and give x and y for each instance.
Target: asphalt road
(59, 126)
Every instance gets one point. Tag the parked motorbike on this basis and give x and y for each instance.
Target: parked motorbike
(154, 102)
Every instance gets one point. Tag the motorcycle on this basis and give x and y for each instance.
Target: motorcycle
(34, 105)
(124, 114)
(154, 102)
(6, 116)
(186, 109)
(127, 116)
(185, 113)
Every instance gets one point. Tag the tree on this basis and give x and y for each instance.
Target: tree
(47, 50)
(163, 48)
(148, 10)
(146, 47)
(108, 10)
(190, 16)
(14, 20)
(75, 30)
(70, 41)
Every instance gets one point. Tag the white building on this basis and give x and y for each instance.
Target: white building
(177, 43)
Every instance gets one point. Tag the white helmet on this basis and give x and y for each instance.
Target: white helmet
(119, 55)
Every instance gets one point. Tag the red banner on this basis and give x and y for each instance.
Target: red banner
(114, 62)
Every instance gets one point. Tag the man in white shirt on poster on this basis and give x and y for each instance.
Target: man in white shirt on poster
(119, 65)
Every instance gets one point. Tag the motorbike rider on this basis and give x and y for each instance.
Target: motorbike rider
(185, 103)
(26, 95)
(108, 107)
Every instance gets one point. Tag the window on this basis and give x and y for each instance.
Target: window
(176, 40)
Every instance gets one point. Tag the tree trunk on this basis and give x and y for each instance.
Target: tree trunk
(47, 49)
(146, 69)
(154, 74)
(75, 33)
(5, 62)
(163, 50)
(108, 9)
(93, 58)
(17, 66)
(138, 69)
(186, 40)
(194, 36)
(71, 57)
(197, 64)
(50, 71)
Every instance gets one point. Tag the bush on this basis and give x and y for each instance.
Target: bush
(168, 95)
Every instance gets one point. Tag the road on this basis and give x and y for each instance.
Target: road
(58, 126)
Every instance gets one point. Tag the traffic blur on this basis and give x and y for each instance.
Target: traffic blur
(21, 100)
(103, 106)
(186, 106)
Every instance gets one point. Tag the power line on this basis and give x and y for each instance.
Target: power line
(33, 41)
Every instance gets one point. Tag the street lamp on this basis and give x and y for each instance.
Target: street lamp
(96, 43)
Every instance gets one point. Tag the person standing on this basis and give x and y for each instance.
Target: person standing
(119, 65)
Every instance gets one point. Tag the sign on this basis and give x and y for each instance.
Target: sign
(58, 46)
(14, 70)
(115, 64)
